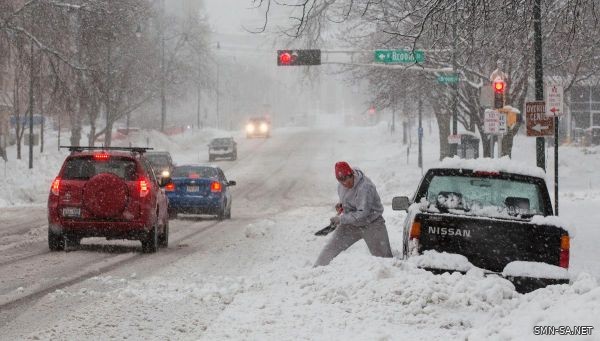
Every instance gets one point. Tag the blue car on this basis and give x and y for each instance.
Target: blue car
(197, 189)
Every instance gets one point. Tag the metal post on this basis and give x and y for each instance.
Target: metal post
(556, 164)
(393, 118)
(31, 105)
(539, 77)
(420, 110)
(454, 85)
(198, 111)
(217, 123)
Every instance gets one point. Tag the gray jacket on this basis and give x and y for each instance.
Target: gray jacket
(361, 203)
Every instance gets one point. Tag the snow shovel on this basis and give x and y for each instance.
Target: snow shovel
(326, 230)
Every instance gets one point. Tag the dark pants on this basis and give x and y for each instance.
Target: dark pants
(375, 235)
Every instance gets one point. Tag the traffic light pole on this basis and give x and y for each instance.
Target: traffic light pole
(539, 77)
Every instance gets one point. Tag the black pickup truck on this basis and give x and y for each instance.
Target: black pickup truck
(500, 221)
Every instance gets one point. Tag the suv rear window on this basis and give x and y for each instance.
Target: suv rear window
(84, 168)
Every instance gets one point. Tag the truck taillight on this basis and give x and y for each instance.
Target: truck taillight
(215, 186)
(144, 187)
(55, 188)
(565, 245)
(415, 230)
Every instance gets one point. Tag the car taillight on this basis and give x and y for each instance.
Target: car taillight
(55, 188)
(101, 156)
(144, 187)
(565, 245)
(215, 186)
(415, 230)
(170, 187)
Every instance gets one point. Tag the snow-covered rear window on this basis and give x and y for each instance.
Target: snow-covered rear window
(479, 194)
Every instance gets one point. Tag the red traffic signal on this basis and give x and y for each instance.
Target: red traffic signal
(298, 57)
(285, 58)
(499, 86)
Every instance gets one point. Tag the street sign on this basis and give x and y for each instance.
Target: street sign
(537, 123)
(554, 100)
(492, 122)
(449, 78)
(454, 139)
(502, 126)
(399, 56)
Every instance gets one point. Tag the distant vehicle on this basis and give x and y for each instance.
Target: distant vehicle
(593, 135)
(161, 162)
(198, 189)
(258, 127)
(222, 147)
(107, 192)
(496, 219)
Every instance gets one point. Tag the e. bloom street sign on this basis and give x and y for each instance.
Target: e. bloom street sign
(399, 56)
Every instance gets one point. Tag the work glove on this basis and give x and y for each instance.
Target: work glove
(335, 220)
(338, 208)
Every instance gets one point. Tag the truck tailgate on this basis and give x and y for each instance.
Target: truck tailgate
(490, 243)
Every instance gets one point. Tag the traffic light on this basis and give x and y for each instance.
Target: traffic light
(298, 57)
(499, 87)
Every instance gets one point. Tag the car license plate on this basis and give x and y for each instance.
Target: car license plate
(71, 212)
(193, 188)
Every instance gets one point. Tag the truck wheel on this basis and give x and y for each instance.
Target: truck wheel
(56, 241)
(150, 242)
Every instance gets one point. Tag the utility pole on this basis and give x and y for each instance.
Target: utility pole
(539, 77)
(163, 99)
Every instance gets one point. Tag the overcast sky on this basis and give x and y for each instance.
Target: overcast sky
(230, 16)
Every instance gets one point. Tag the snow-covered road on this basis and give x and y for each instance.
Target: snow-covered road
(251, 278)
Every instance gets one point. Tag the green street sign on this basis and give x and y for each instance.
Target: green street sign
(448, 78)
(399, 56)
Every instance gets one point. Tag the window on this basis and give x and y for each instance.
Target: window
(194, 172)
(474, 193)
(84, 168)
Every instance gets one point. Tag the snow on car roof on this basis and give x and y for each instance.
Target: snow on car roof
(503, 164)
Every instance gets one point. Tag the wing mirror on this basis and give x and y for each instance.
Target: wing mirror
(231, 183)
(164, 181)
(400, 203)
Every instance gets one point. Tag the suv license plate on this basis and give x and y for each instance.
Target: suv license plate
(193, 188)
(71, 212)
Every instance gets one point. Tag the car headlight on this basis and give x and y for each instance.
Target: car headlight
(264, 128)
(165, 174)
(250, 128)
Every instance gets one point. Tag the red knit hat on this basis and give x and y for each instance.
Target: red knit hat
(342, 169)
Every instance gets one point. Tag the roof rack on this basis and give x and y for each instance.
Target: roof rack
(140, 150)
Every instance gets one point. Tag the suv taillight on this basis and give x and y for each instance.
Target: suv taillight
(565, 245)
(215, 186)
(144, 187)
(55, 188)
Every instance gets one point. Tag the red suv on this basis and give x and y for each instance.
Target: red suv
(107, 192)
